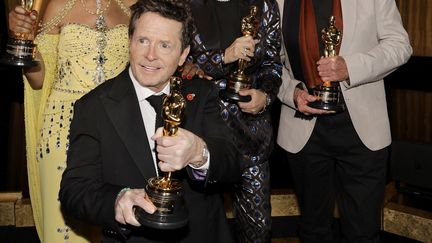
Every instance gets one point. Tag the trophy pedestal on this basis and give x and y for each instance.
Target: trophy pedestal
(171, 211)
(19, 53)
(230, 96)
(237, 81)
(328, 98)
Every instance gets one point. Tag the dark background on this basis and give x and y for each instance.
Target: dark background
(412, 78)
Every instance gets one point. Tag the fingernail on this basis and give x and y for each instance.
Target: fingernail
(189, 77)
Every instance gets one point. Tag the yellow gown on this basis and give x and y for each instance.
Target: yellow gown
(71, 70)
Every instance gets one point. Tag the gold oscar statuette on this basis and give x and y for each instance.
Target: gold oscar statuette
(238, 80)
(20, 49)
(329, 96)
(166, 192)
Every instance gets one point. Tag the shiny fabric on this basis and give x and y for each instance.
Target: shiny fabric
(253, 133)
(71, 73)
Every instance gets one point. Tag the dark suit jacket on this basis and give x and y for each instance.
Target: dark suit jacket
(109, 151)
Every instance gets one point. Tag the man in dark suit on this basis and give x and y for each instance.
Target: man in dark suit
(112, 138)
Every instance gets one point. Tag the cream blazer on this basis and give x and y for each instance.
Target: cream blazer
(374, 44)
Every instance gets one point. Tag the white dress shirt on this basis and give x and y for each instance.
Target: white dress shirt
(149, 117)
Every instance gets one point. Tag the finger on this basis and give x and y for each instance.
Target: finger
(119, 215)
(148, 205)
(158, 134)
(192, 72)
(250, 111)
(129, 216)
(249, 52)
(323, 61)
(20, 10)
(163, 142)
(28, 17)
(208, 77)
(165, 167)
(202, 75)
(309, 110)
(247, 92)
(185, 71)
(245, 57)
(242, 105)
(308, 97)
(33, 14)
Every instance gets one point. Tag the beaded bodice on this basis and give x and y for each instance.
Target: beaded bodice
(78, 57)
(76, 75)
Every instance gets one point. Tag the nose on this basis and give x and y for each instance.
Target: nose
(151, 52)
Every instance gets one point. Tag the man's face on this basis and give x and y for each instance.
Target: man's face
(155, 50)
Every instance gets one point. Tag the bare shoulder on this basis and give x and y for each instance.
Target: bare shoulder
(56, 11)
(53, 8)
(128, 2)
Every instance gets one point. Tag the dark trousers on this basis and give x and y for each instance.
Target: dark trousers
(336, 167)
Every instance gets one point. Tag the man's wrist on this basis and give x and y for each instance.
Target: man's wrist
(204, 157)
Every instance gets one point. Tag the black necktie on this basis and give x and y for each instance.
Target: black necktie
(156, 102)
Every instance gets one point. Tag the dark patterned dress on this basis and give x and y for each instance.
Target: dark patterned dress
(253, 133)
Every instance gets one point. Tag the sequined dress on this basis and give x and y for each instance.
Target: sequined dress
(73, 68)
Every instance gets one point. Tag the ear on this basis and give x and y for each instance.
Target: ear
(184, 55)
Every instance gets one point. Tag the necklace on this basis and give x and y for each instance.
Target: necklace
(223, 1)
(101, 42)
(99, 11)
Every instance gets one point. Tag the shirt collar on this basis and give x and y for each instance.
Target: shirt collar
(144, 92)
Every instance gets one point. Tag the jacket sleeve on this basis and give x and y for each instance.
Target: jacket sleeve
(389, 46)
(224, 165)
(270, 71)
(82, 190)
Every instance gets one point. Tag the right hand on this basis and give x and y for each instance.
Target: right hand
(302, 98)
(124, 206)
(242, 48)
(22, 21)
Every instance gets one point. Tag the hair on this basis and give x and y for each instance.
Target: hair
(178, 10)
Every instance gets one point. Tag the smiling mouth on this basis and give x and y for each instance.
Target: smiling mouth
(150, 68)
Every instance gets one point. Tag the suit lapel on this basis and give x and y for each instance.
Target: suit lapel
(191, 94)
(121, 105)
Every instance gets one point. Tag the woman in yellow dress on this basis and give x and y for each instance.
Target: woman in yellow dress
(81, 43)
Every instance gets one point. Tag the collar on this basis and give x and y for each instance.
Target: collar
(144, 92)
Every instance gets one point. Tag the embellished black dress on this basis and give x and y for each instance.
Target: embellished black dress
(218, 25)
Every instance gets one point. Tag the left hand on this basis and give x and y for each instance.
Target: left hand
(257, 103)
(123, 207)
(332, 69)
(176, 152)
(190, 69)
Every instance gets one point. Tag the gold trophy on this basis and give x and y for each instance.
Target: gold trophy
(20, 49)
(165, 192)
(238, 80)
(329, 96)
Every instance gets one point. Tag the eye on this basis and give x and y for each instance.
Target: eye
(143, 41)
(165, 45)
